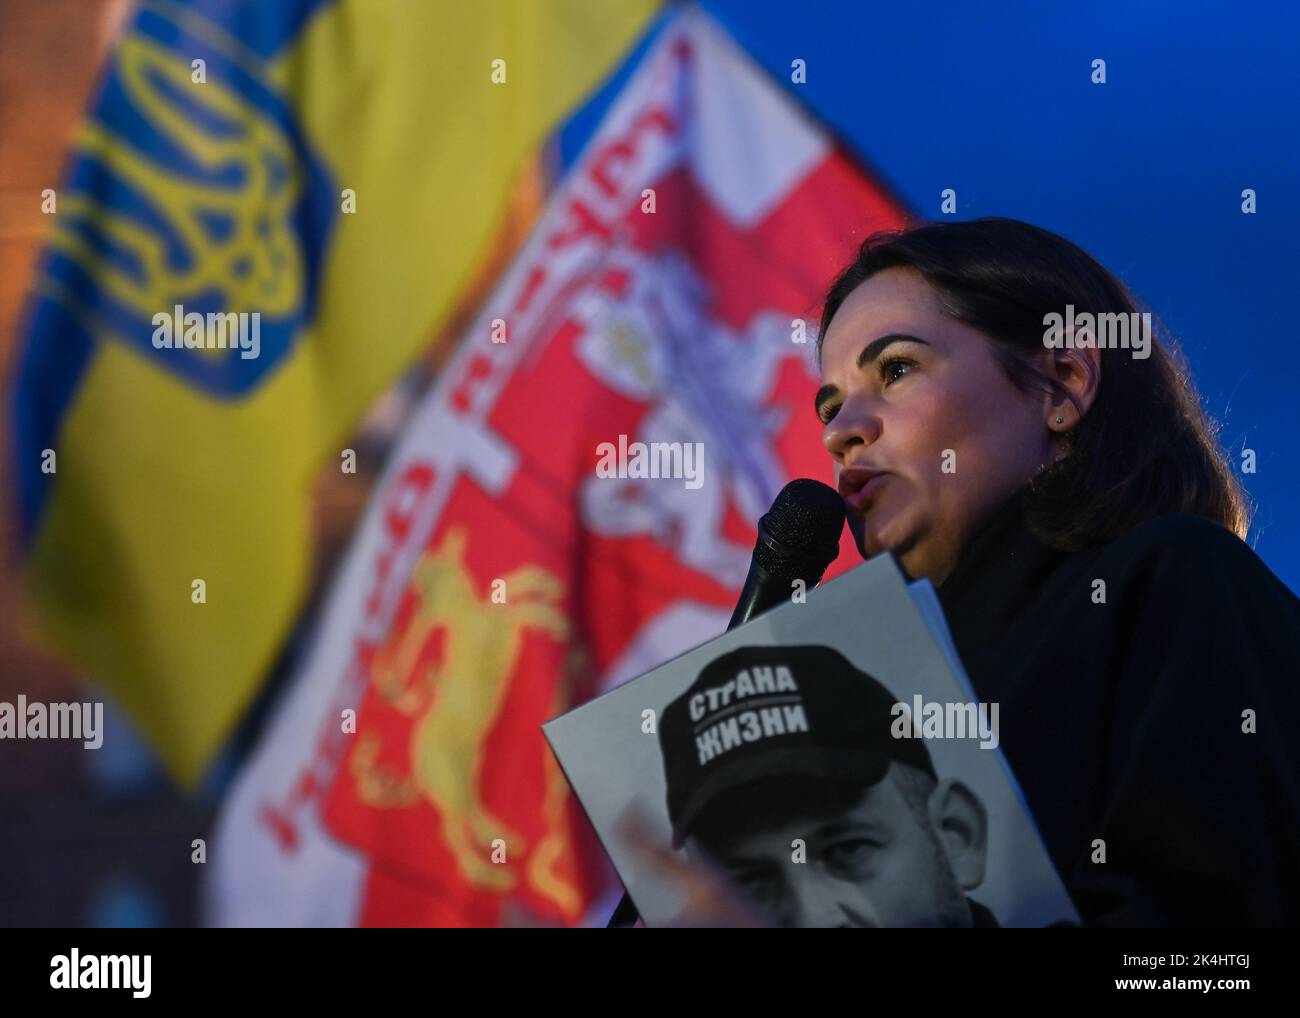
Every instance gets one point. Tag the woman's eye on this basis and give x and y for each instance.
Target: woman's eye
(891, 370)
(894, 369)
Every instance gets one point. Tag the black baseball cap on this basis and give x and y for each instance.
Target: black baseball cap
(768, 712)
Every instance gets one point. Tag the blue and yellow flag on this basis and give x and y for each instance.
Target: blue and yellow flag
(270, 210)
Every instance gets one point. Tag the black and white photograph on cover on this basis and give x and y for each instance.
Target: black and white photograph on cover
(785, 770)
(822, 765)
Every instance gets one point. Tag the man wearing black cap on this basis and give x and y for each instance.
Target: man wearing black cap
(782, 770)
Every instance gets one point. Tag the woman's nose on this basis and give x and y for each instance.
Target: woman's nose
(854, 424)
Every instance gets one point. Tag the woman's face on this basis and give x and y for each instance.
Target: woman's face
(927, 432)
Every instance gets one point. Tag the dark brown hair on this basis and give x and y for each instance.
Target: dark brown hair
(1145, 446)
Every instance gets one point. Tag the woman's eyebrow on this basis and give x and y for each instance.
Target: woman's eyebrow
(870, 352)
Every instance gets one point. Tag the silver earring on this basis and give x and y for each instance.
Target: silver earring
(1060, 420)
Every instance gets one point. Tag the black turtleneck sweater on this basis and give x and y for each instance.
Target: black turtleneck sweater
(1126, 721)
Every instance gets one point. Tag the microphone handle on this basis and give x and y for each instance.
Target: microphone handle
(760, 592)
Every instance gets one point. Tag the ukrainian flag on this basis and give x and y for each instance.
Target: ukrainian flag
(341, 169)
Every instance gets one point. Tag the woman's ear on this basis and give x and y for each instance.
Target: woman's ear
(1074, 369)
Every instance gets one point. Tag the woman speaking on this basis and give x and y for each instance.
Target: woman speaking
(1001, 418)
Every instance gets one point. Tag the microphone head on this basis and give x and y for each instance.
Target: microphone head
(800, 535)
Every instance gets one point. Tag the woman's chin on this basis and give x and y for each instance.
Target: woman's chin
(875, 535)
(870, 541)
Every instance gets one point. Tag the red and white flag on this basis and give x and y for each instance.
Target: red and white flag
(524, 549)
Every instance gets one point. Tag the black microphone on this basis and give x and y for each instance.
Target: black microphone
(798, 539)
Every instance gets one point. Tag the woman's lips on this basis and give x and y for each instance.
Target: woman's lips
(861, 501)
(860, 487)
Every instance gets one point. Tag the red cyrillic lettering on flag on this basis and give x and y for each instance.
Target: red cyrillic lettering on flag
(582, 223)
(403, 500)
(536, 276)
(477, 371)
(608, 170)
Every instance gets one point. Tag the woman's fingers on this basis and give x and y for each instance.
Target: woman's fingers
(710, 898)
